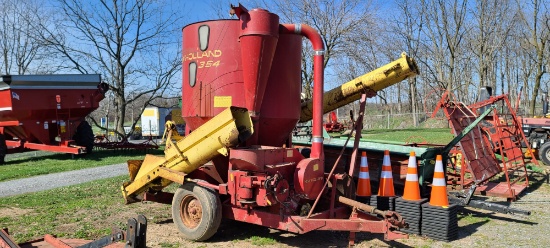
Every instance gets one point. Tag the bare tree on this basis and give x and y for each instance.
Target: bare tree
(338, 22)
(446, 30)
(18, 47)
(133, 43)
(536, 36)
(407, 29)
(489, 36)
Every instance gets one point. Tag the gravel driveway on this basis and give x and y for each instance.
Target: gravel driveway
(55, 180)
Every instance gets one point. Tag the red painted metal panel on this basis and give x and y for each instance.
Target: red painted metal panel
(298, 224)
(258, 38)
(309, 178)
(219, 77)
(481, 159)
(236, 69)
(9, 123)
(281, 105)
(35, 107)
(288, 223)
(502, 189)
(61, 148)
(5, 100)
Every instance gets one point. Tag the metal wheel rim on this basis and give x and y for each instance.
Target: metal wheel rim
(190, 211)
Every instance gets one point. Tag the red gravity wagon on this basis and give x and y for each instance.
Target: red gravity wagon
(46, 112)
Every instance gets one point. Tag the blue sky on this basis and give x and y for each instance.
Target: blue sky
(195, 11)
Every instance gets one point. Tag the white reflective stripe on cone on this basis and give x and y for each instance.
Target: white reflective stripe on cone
(364, 162)
(412, 163)
(439, 182)
(438, 166)
(386, 174)
(412, 177)
(386, 160)
(364, 175)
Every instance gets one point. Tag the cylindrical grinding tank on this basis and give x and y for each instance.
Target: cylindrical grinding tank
(224, 61)
(281, 106)
(212, 70)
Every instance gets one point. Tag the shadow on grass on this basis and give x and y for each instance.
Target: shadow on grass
(476, 219)
(466, 213)
(471, 228)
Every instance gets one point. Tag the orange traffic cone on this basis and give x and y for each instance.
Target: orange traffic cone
(439, 186)
(412, 189)
(386, 178)
(363, 185)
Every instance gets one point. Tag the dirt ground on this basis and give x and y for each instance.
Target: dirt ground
(477, 228)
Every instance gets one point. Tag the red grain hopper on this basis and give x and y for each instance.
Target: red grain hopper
(46, 112)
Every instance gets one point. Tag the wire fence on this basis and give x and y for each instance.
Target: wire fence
(402, 121)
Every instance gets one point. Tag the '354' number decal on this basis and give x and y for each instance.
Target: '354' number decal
(209, 63)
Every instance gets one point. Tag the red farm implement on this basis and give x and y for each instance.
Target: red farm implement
(333, 125)
(491, 149)
(46, 112)
(241, 100)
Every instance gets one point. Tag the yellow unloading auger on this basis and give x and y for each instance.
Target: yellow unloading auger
(379, 79)
(227, 129)
(266, 182)
(234, 125)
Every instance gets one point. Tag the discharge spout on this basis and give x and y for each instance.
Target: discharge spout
(376, 80)
(227, 129)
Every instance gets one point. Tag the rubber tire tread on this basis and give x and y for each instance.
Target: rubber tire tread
(3, 148)
(543, 151)
(84, 136)
(211, 211)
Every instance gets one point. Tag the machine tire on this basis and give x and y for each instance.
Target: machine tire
(84, 136)
(544, 153)
(3, 148)
(205, 218)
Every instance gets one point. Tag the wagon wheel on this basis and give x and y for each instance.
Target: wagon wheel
(3, 148)
(544, 153)
(84, 136)
(197, 211)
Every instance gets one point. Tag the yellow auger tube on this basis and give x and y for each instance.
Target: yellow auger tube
(376, 80)
(227, 129)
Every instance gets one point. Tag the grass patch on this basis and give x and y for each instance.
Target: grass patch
(471, 219)
(87, 211)
(261, 241)
(34, 163)
(418, 135)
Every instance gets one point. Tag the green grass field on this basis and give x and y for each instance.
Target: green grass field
(87, 211)
(440, 136)
(33, 163)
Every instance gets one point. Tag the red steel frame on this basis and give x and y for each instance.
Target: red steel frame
(506, 131)
(243, 188)
(509, 140)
